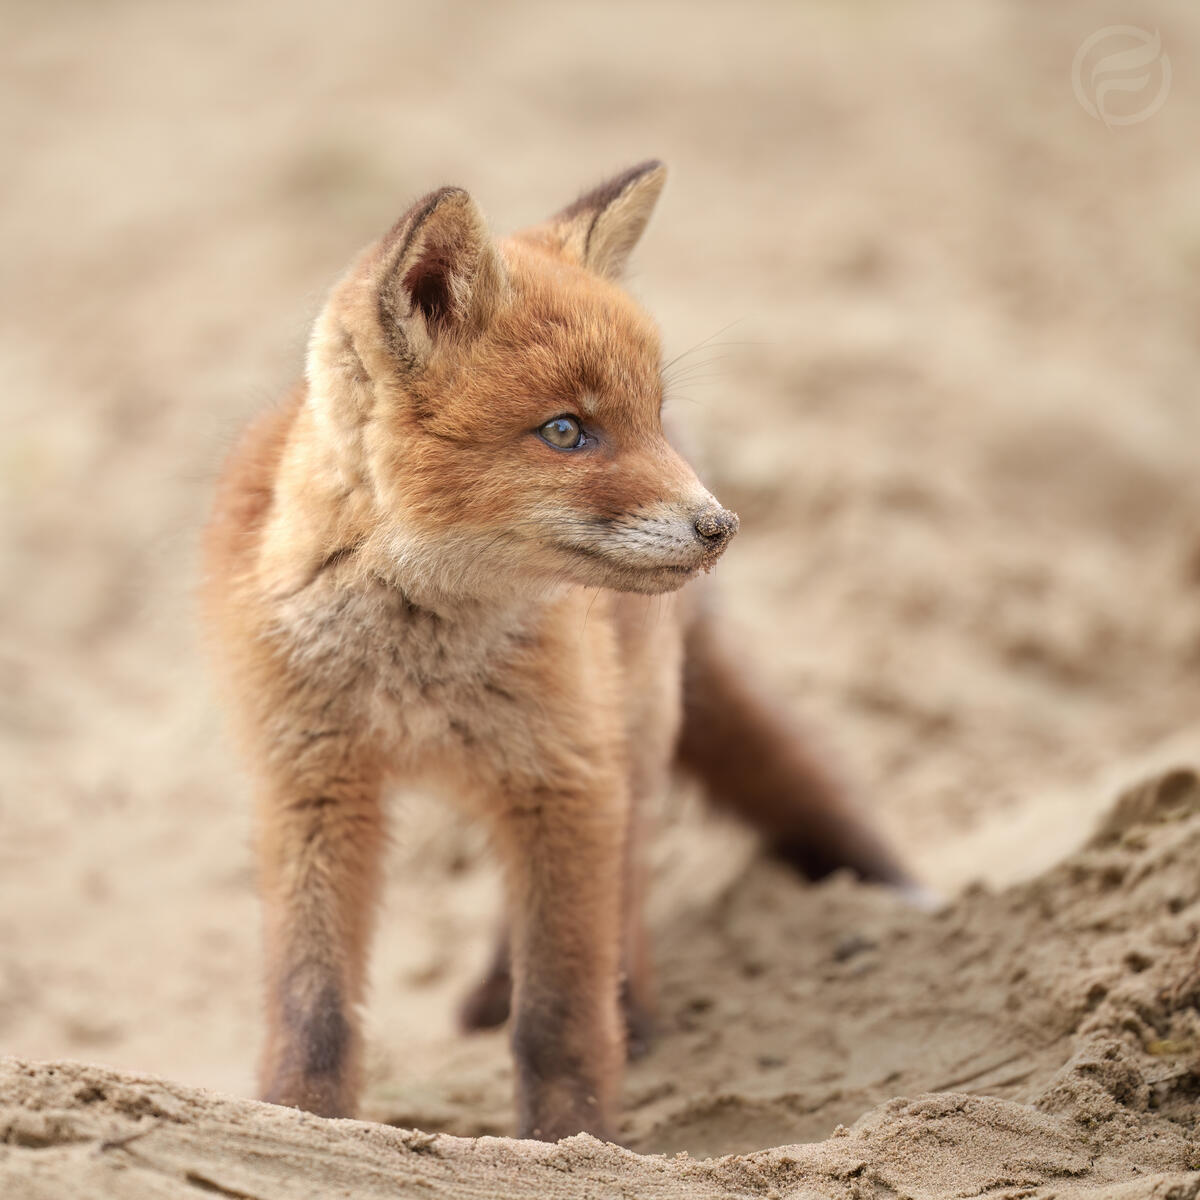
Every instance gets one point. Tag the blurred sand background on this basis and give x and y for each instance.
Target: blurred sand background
(948, 331)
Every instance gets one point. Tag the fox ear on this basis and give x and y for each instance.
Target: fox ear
(600, 229)
(441, 273)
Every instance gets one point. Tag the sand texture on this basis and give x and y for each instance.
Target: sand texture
(938, 330)
(1057, 1023)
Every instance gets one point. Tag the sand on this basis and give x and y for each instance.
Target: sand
(943, 363)
(1045, 1034)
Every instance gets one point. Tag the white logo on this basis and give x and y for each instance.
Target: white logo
(1121, 61)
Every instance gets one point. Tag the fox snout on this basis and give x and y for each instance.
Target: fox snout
(715, 527)
(654, 548)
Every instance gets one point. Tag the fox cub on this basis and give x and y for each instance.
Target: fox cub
(430, 565)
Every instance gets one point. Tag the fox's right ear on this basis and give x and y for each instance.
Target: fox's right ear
(439, 274)
(602, 227)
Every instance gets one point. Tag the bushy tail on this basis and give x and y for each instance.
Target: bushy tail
(758, 765)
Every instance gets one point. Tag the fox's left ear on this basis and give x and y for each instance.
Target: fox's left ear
(435, 279)
(440, 274)
(600, 229)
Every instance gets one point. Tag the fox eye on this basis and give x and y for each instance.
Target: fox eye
(564, 433)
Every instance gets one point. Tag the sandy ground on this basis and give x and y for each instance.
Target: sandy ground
(946, 372)
(1038, 1041)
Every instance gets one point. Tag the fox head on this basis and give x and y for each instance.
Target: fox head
(493, 407)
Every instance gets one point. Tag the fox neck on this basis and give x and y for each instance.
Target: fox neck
(450, 572)
(330, 523)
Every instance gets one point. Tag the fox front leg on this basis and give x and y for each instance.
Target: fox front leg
(563, 852)
(320, 844)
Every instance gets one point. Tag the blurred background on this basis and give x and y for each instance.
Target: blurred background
(938, 265)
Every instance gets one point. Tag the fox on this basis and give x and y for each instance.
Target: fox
(430, 566)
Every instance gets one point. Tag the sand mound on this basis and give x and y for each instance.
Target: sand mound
(1043, 1037)
(939, 351)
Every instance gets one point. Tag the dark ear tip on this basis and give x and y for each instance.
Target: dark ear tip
(450, 192)
(651, 166)
(601, 196)
(428, 205)
(422, 210)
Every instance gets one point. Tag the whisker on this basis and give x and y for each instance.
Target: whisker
(700, 344)
(587, 614)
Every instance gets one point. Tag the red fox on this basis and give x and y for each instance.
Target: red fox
(431, 565)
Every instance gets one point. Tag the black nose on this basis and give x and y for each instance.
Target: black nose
(715, 526)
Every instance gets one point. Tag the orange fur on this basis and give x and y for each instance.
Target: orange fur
(406, 580)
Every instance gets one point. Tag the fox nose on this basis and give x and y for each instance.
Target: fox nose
(715, 526)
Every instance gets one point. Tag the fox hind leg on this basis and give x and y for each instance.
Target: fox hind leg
(487, 1004)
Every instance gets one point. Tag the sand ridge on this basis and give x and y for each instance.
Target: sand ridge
(1084, 1083)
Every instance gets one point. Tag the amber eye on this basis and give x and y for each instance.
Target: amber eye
(564, 433)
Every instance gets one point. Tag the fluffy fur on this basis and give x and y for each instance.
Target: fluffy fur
(405, 581)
